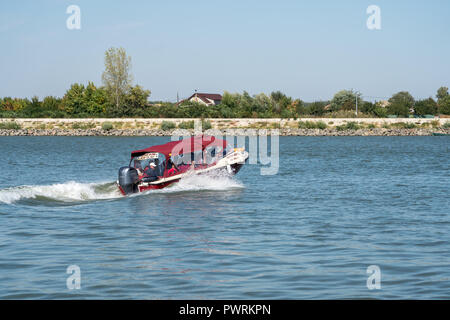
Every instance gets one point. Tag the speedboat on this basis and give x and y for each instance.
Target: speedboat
(160, 166)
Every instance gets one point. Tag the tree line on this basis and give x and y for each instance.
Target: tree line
(118, 98)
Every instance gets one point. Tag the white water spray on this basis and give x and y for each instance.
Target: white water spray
(74, 192)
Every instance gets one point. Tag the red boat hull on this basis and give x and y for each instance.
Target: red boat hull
(142, 188)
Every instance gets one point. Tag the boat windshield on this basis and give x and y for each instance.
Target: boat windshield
(142, 163)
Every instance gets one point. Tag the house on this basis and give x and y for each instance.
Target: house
(208, 99)
(383, 103)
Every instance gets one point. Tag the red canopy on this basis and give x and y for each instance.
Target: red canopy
(198, 143)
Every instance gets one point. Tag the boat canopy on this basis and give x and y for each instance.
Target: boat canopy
(198, 143)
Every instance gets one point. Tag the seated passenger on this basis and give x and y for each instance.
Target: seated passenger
(151, 173)
(172, 167)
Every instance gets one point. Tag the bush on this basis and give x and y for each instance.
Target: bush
(348, 126)
(107, 126)
(167, 125)
(352, 126)
(380, 112)
(446, 125)
(312, 125)
(85, 126)
(186, 125)
(10, 125)
(206, 125)
(409, 126)
(403, 125)
(321, 125)
(435, 123)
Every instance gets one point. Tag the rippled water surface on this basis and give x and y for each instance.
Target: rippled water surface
(337, 206)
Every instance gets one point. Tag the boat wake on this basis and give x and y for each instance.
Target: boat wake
(68, 192)
(75, 192)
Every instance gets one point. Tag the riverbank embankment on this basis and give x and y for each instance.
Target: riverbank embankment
(168, 127)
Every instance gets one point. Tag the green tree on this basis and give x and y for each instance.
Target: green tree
(280, 101)
(135, 101)
(442, 93)
(380, 112)
(52, 107)
(262, 104)
(426, 106)
(317, 108)
(117, 77)
(345, 100)
(73, 101)
(32, 108)
(444, 105)
(403, 98)
(398, 109)
(95, 100)
(367, 107)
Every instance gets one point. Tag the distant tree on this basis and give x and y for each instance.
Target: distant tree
(317, 108)
(73, 102)
(262, 104)
(135, 101)
(345, 100)
(52, 107)
(299, 106)
(398, 109)
(380, 111)
(245, 106)
(367, 107)
(229, 100)
(117, 77)
(16, 104)
(426, 106)
(442, 93)
(280, 101)
(444, 105)
(402, 98)
(400, 104)
(95, 100)
(33, 108)
(51, 103)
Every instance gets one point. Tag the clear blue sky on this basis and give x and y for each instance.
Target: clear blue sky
(307, 49)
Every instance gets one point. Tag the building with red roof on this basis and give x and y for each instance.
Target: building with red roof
(208, 99)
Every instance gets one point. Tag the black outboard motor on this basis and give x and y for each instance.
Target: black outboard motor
(128, 179)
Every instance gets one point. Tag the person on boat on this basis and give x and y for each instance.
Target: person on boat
(172, 167)
(138, 167)
(151, 174)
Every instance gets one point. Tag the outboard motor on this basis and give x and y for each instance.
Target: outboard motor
(128, 179)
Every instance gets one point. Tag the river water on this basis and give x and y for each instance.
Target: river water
(337, 206)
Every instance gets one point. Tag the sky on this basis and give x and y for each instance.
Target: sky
(306, 49)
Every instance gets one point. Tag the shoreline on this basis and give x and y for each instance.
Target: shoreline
(237, 127)
(231, 132)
